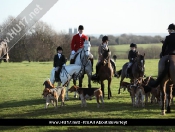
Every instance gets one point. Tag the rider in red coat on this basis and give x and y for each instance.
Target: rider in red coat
(77, 43)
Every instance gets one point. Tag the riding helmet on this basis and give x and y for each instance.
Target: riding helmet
(133, 45)
(105, 38)
(80, 27)
(171, 26)
(59, 48)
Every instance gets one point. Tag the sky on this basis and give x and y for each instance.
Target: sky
(102, 16)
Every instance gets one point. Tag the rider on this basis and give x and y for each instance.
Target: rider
(168, 48)
(131, 56)
(59, 61)
(101, 48)
(77, 43)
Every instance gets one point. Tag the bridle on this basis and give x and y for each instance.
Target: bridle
(140, 63)
(84, 58)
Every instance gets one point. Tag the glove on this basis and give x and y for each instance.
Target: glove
(64, 65)
(73, 52)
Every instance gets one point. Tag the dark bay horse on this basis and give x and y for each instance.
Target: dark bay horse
(137, 70)
(105, 72)
(166, 78)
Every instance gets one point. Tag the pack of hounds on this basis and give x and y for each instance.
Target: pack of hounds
(52, 94)
(140, 94)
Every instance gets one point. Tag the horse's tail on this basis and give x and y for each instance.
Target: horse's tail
(160, 78)
(119, 73)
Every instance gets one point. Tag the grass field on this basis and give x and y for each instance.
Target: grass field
(122, 50)
(21, 88)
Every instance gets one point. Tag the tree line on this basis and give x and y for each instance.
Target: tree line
(40, 42)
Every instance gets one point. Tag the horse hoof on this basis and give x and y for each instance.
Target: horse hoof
(168, 111)
(163, 112)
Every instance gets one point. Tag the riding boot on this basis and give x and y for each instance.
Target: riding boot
(72, 61)
(114, 66)
(126, 73)
(97, 68)
(58, 73)
(56, 76)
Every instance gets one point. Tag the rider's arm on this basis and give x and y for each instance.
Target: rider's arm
(164, 46)
(54, 62)
(99, 51)
(73, 44)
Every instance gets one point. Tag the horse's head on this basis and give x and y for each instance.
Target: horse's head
(106, 57)
(87, 47)
(140, 61)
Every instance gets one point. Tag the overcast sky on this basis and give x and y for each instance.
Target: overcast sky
(102, 16)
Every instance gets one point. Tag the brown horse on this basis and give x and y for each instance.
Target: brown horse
(167, 77)
(137, 70)
(105, 72)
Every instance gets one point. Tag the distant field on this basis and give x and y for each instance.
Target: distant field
(122, 50)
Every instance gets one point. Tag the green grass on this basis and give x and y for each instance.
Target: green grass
(21, 88)
(122, 50)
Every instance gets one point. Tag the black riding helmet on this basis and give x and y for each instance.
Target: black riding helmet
(81, 27)
(171, 26)
(133, 45)
(59, 48)
(105, 38)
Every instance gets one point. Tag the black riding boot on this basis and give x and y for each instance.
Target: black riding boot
(114, 66)
(57, 75)
(97, 68)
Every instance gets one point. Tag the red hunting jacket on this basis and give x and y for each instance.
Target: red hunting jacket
(77, 42)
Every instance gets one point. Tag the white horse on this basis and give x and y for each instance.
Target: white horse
(66, 75)
(82, 60)
(4, 51)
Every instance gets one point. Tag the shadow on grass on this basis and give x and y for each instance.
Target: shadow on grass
(90, 128)
(38, 111)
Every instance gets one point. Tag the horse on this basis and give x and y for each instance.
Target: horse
(66, 75)
(137, 70)
(4, 51)
(105, 72)
(82, 59)
(166, 78)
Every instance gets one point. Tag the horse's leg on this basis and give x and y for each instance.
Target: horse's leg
(89, 80)
(75, 93)
(109, 88)
(102, 88)
(80, 82)
(169, 99)
(122, 78)
(67, 97)
(163, 89)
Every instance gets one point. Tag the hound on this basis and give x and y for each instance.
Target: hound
(48, 84)
(125, 85)
(86, 93)
(54, 94)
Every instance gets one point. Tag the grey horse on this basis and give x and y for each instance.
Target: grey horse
(4, 51)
